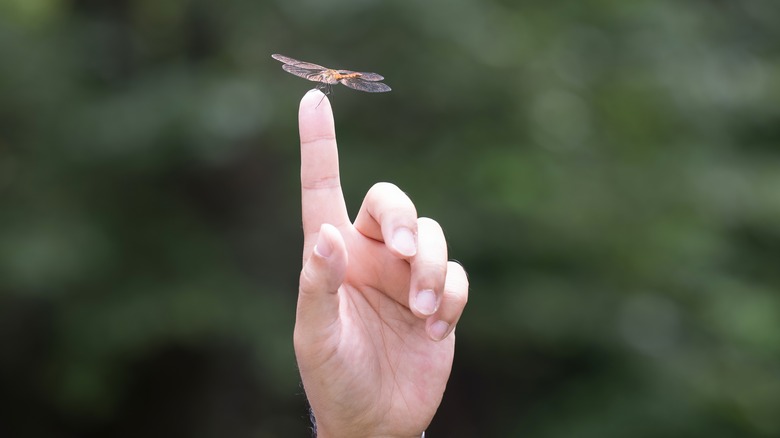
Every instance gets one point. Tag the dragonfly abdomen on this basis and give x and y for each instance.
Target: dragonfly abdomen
(340, 76)
(333, 76)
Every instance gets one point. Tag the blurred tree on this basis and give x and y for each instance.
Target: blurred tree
(607, 171)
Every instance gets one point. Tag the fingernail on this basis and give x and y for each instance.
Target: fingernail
(425, 302)
(323, 248)
(404, 242)
(438, 330)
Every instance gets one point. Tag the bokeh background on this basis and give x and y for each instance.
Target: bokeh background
(607, 171)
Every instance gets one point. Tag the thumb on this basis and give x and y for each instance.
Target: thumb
(321, 276)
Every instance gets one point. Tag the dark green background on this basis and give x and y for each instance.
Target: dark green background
(608, 171)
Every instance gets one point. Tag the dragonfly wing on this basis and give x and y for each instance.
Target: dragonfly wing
(312, 75)
(374, 77)
(367, 86)
(290, 61)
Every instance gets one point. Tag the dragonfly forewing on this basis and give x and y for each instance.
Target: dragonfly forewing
(295, 62)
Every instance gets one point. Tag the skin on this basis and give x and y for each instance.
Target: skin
(374, 356)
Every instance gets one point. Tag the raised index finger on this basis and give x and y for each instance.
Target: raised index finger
(321, 197)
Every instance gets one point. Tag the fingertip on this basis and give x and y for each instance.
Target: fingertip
(404, 242)
(438, 330)
(315, 118)
(323, 248)
(314, 100)
(327, 240)
(325, 270)
(425, 302)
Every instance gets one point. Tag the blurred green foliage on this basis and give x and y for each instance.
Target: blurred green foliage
(607, 171)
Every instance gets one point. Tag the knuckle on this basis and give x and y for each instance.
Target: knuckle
(428, 223)
(432, 269)
(457, 299)
(382, 188)
(456, 269)
(323, 182)
(431, 276)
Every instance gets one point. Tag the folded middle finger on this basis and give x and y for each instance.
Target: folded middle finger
(429, 268)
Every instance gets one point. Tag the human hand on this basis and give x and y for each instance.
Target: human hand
(374, 352)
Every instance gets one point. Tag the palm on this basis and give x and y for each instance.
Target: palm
(392, 365)
(381, 364)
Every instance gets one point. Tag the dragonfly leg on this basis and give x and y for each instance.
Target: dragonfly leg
(326, 89)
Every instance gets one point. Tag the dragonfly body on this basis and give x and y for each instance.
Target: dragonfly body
(363, 81)
(334, 76)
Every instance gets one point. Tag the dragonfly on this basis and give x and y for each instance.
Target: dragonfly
(363, 81)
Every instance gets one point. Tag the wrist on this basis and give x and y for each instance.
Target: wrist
(336, 435)
(322, 432)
